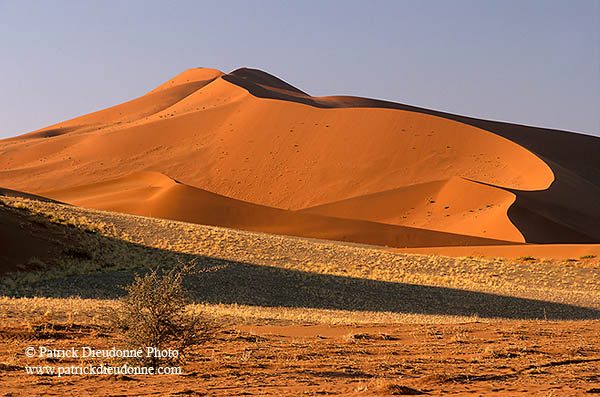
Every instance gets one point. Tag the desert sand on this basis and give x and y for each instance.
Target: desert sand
(247, 150)
(569, 252)
(469, 358)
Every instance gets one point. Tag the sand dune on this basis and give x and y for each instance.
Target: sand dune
(454, 205)
(160, 98)
(154, 194)
(271, 148)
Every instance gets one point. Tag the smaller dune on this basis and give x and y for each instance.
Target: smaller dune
(156, 195)
(455, 205)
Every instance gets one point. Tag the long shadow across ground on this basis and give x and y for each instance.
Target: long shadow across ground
(249, 284)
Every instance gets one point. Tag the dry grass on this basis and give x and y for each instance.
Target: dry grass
(121, 241)
(93, 312)
(89, 245)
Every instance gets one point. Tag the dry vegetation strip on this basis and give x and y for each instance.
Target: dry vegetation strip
(123, 242)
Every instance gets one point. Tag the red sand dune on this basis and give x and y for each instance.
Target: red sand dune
(454, 205)
(154, 194)
(345, 168)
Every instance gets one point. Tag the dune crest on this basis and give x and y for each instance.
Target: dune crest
(195, 75)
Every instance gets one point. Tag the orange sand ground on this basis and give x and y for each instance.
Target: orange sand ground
(548, 251)
(477, 358)
(247, 150)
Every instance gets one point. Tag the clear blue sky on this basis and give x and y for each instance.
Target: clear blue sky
(530, 62)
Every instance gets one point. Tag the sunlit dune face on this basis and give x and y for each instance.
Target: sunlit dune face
(332, 158)
(309, 156)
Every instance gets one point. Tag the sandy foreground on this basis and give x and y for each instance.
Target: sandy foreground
(265, 356)
(292, 316)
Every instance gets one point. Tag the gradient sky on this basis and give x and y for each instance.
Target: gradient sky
(528, 62)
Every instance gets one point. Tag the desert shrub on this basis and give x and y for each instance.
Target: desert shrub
(587, 257)
(526, 258)
(153, 315)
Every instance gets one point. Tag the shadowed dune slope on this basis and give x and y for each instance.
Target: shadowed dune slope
(156, 195)
(253, 138)
(25, 241)
(18, 244)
